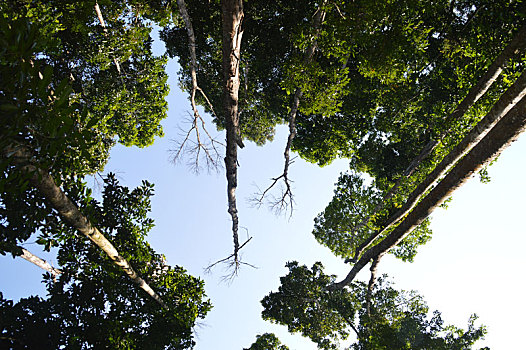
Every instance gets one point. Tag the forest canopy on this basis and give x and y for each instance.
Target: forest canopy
(416, 96)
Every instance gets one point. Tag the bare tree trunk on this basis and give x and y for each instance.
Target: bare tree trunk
(518, 44)
(232, 17)
(499, 138)
(69, 212)
(506, 102)
(27, 255)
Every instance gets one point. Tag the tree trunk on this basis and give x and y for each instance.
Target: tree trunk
(232, 18)
(69, 212)
(500, 137)
(506, 102)
(518, 44)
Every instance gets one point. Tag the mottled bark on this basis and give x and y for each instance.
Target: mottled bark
(69, 212)
(500, 137)
(507, 101)
(232, 18)
(518, 44)
(43, 264)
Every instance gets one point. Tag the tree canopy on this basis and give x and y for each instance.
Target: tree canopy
(417, 96)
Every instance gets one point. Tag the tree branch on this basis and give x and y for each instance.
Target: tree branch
(209, 148)
(232, 17)
(27, 255)
(103, 24)
(287, 199)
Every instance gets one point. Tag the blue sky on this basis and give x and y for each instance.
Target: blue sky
(473, 264)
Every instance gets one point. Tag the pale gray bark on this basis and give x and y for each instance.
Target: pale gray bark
(518, 44)
(505, 132)
(209, 148)
(43, 264)
(69, 212)
(103, 24)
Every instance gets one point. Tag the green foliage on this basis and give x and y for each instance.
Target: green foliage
(62, 97)
(304, 305)
(92, 304)
(267, 341)
(383, 319)
(337, 227)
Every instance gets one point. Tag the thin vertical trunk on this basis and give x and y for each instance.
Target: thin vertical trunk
(499, 138)
(518, 44)
(232, 18)
(506, 102)
(69, 212)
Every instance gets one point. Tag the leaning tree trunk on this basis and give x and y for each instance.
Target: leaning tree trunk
(518, 44)
(500, 137)
(69, 212)
(506, 102)
(232, 17)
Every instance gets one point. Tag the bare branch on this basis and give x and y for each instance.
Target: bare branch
(232, 262)
(103, 24)
(286, 200)
(205, 144)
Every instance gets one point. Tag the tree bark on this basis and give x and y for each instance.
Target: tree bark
(518, 44)
(500, 137)
(69, 212)
(232, 18)
(27, 255)
(506, 102)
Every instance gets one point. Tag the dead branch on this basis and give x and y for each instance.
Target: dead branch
(286, 200)
(203, 143)
(518, 44)
(233, 263)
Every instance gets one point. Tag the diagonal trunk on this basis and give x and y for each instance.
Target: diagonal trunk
(500, 137)
(518, 44)
(232, 18)
(506, 102)
(69, 212)
(43, 264)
